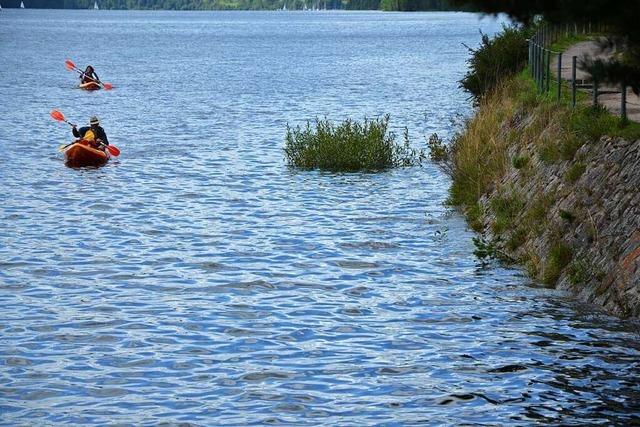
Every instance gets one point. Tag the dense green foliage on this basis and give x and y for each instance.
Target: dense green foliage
(408, 5)
(495, 59)
(414, 5)
(348, 147)
(620, 18)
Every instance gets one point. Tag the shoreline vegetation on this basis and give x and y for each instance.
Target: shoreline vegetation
(533, 178)
(384, 5)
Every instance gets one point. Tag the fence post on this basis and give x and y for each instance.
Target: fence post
(623, 102)
(548, 70)
(530, 57)
(573, 81)
(559, 75)
(540, 65)
(537, 72)
(595, 92)
(533, 59)
(529, 53)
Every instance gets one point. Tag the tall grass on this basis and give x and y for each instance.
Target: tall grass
(512, 116)
(348, 146)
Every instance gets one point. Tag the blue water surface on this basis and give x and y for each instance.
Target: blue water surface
(196, 280)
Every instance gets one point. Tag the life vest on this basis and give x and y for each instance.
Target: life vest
(89, 136)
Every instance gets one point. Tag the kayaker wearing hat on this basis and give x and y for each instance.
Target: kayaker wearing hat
(94, 133)
(89, 75)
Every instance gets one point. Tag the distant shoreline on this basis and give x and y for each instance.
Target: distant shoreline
(239, 10)
(202, 5)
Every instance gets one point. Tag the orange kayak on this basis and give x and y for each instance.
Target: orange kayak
(82, 154)
(89, 86)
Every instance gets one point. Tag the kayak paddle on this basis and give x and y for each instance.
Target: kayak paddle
(72, 67)
(57, 115)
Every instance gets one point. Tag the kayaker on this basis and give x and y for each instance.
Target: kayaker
(93, 133)
(89, 75)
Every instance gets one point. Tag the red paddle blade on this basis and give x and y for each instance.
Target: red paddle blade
(113, 150)
(57, 115)
(70, 65)
(107, 86)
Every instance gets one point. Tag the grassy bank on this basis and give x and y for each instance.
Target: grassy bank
(499, 162)
(515, 118)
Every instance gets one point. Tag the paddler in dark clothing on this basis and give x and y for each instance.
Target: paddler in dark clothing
(89, 75)
(94, 134)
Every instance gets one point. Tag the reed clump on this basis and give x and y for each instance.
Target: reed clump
(349, 146)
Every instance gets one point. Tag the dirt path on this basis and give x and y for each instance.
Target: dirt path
(610, 97)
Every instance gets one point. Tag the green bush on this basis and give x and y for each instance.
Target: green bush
(575, 172)
(475, 215)
(517, 238)
(520, 161)
(496, 58)
(568, 147)
(591, 123)
(506, 209)
(566, 215)
(548, 152)
(349, 146)
(579, 272)
(560, 256)
(438, 150)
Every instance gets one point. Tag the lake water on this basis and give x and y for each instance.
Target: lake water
(197, 280)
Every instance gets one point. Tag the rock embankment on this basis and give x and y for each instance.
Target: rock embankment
(582, 221)
(554, 188)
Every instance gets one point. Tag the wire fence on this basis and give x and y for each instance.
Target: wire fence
(540, 63)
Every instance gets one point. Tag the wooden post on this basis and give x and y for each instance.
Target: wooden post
(573, 81)
(623, 102)
(535, 63)
(540, 65)
(530, 57)
(595, 92)
(559, 75)
(548, 70)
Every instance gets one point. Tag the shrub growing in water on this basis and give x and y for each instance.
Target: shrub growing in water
(349, 146)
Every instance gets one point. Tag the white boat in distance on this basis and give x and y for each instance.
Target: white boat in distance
(95, 5)
(21, 5)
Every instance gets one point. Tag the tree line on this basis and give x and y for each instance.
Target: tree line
(388, 5)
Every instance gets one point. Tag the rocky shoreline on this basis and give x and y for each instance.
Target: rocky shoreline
(596, 219)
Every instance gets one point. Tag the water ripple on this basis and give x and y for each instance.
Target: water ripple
(199, 281)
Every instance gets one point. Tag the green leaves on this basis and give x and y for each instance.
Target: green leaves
(349, 146)
(495, 59)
